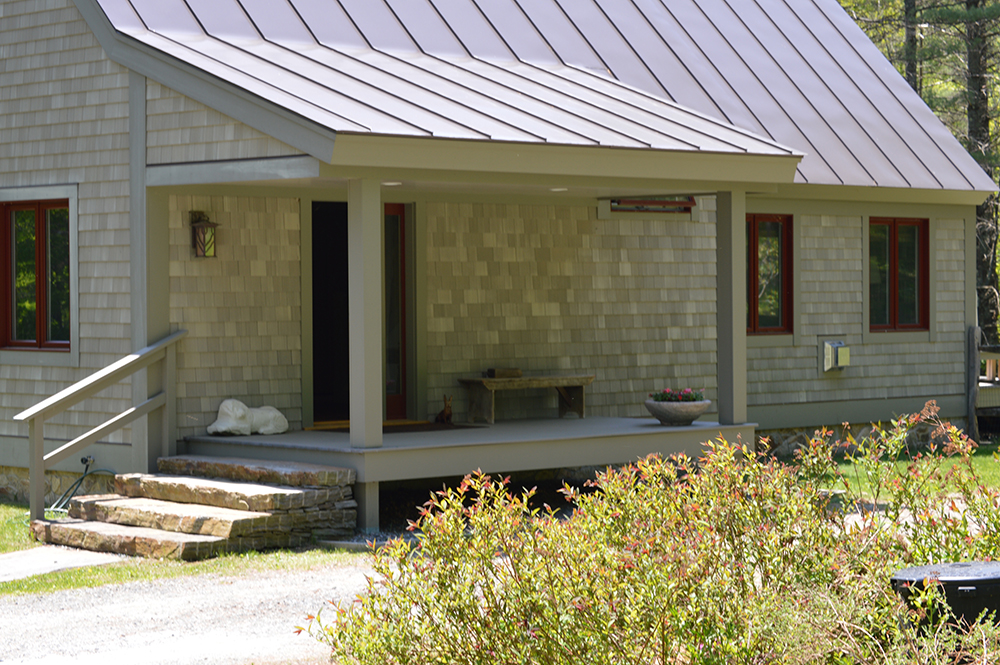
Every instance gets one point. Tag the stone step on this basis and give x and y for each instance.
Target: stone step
(294, 474)
(169, 516)
(230, 493)
(130, 540)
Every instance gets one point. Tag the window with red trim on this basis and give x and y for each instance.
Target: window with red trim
(898, 276)
(769, 274)
(36, 274)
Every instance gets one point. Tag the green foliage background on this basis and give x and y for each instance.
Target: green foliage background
(948, 51)
(941, 55)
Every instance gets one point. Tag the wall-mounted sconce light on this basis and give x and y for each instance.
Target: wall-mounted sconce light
(202, 234)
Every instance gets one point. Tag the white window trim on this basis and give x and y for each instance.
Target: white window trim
(44, 358)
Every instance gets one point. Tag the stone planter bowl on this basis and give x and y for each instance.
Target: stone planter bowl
(677, 414)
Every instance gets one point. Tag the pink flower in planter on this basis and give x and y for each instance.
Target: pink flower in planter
(682, 395)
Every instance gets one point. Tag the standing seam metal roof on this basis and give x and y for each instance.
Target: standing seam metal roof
(415, 94)
(731, 76)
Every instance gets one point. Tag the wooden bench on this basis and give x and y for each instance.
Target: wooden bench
(482, 392)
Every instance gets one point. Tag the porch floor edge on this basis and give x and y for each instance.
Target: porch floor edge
(506, 446)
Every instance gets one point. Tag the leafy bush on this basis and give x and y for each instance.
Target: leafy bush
(731, 558)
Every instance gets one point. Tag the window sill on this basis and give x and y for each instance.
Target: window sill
(39, 358)
(897, 336)
(759, 341)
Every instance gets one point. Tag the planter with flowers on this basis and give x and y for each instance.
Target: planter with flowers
(677, 408)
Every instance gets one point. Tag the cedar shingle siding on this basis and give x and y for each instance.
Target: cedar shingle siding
(181, 130)
(242, 310)
(64, 119)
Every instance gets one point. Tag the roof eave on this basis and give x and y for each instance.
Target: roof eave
(875, 194)
(508, 160)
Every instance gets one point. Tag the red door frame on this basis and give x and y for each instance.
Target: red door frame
(395, 405)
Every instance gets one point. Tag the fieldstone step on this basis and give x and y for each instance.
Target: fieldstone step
(294, 474)
(130, 540)
(211, 506)
(170, 516)
(230, 493)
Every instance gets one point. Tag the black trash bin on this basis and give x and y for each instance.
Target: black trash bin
(969, 587)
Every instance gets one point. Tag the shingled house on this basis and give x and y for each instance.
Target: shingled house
(657, 193)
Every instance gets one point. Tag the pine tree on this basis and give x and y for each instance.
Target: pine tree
(948, 52)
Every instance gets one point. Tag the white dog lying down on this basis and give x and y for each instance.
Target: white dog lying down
(235, 417)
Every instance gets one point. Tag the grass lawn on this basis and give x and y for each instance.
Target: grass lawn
(985, 462)
(14, 536)
(14, 528)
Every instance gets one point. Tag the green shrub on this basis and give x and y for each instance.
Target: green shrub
(730, 558)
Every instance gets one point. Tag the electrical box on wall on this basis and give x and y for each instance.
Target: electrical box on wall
(836, 355)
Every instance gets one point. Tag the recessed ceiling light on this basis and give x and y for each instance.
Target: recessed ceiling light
(557, 189)
(391, 183)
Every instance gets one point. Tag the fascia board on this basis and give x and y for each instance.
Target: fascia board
(883, 194)
(270, 119)
(229, 171)
(497, 159)
(434, 183)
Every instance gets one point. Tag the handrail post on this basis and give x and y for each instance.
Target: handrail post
(169, 418)
(141, 454)
(36, 470)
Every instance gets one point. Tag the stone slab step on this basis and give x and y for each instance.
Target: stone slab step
(228, 493)
(294, 474)
(169, 516)
(130, 540)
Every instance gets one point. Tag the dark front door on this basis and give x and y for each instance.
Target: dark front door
(395, 312)
(331, 332)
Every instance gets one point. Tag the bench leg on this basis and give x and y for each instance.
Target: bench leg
(571, 399)
(481, 404)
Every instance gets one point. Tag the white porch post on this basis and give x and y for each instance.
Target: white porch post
(732, 313)
(153, 435)
(365, 256)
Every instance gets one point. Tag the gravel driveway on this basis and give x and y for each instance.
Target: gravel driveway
(201, 619)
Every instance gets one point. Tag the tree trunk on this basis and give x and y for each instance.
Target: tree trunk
(978, 54)
(910, 43)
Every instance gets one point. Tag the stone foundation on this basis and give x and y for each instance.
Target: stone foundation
(296, 474)
(782, 443)
(14, 484)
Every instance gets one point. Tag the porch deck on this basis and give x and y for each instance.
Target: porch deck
(518, 445)
(989, 394)
(506, 446)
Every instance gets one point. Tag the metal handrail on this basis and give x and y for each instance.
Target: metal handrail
(39, 462)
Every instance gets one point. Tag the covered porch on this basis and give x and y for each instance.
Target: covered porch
(513, 257)
(684, 325)
(507, 446)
